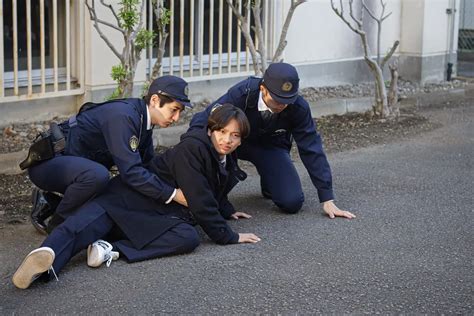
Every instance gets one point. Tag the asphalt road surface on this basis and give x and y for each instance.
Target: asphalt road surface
(410, 249)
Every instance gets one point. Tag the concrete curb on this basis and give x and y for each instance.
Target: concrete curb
(170, 136)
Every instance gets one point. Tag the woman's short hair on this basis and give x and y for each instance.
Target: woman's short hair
(221, 115)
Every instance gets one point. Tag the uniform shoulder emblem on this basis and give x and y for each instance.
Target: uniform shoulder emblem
(133, 143)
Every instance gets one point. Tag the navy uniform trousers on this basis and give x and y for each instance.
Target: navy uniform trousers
(91, 222)
(279, 179)
(80, 179)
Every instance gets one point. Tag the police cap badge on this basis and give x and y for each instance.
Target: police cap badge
(286, 86)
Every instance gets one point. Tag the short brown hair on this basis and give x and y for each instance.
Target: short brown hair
(221, 116)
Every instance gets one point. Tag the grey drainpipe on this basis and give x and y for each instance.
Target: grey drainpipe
(452, 14)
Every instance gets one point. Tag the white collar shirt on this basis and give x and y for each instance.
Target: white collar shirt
(261, 104)
(148, 119)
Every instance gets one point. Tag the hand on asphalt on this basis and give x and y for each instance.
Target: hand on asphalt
(248, 238)
(179, 198)
(333, 211)
(238, 215)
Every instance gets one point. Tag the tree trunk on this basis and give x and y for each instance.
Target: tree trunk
(393, 92)
(381, 107)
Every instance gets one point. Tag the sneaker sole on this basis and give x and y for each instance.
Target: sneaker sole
(93, 253)
(35, 263)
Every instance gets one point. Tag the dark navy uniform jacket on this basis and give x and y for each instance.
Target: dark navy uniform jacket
(295, 121)
(192, 165)
(115, 133)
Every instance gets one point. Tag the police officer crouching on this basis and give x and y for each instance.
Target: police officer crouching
(75, 156)
(277, 115)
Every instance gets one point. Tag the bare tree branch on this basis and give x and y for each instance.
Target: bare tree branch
(102, 21)
(351, 13)
(381, 105)
(282, 42)
(111, 8)
(341, 15)
(162, 36)
(383, 8)
(140, 21)
(371, 14)
(382, 19)
(256, 10)
(93, 16)
(244, 29)
(389, 54)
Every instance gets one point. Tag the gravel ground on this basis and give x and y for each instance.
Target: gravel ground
(405, 88)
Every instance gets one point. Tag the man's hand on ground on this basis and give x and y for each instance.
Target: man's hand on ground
(333, 211)
(179, 198)
(238, 215)
(248, 238)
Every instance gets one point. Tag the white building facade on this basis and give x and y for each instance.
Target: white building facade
(52, 59)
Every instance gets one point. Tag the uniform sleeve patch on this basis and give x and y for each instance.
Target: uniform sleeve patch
(133, 143)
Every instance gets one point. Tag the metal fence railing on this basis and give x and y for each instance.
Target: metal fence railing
(41, 54)
(466, 27)
(205, 39)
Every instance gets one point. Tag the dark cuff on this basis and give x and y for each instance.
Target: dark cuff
(235, 239)
(325, 195)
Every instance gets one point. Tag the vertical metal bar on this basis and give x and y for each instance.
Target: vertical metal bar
(171, 36)
(265, 25)
(68, 45)
(255, 34)
(181, 37)
(15, 47)
(191, 37)
(2, 56)
(28, 48)
(55, 47)
(221, 22)
(247, 51)
(229, 39)
(42, 49)
(271, 27)
(239, 38)
(211, 35)
(82, 58)
(150, 28)
(201, 36)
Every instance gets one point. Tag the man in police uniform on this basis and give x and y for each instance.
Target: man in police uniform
(117, 132)
(277, 115)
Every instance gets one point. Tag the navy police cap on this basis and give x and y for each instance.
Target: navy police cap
(282, 81)
(173, 87)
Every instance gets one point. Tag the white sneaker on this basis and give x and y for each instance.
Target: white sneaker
(99, 252)
(36, 263)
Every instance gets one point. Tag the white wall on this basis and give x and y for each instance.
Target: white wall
(436, 27)
(99, 57)
(317, 34)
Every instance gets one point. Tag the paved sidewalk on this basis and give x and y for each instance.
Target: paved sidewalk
(408, 251)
